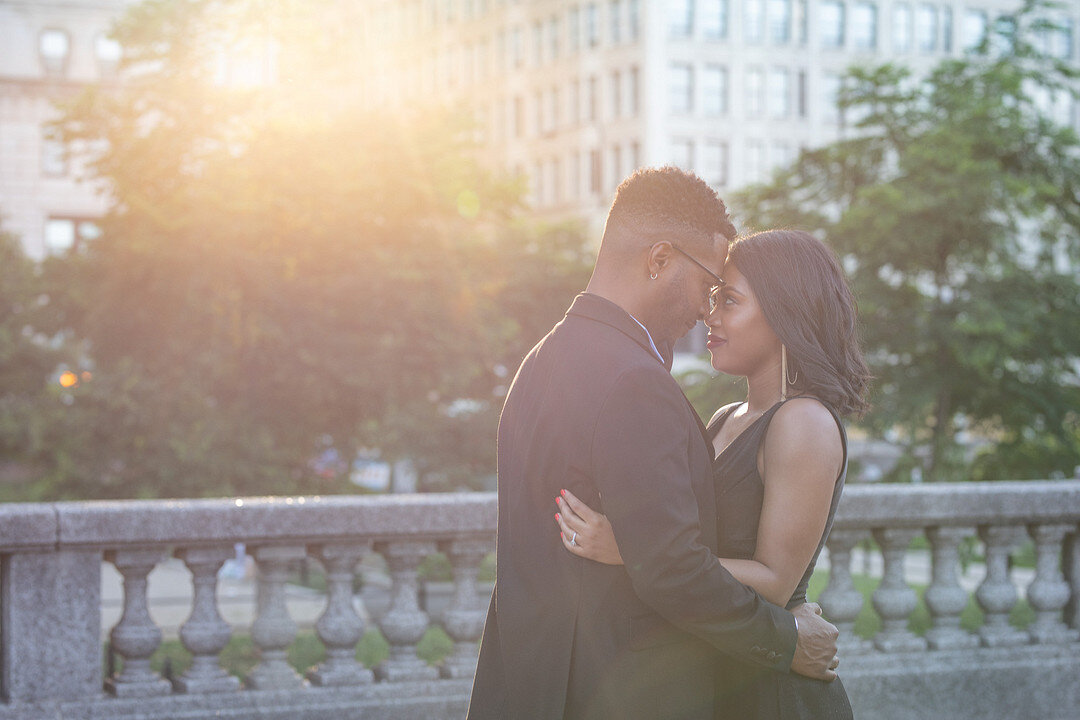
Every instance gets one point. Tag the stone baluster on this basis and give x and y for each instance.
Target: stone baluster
(405, 623)
(339, 627)
(945, 598)
(273, 630)
(996, 594)
(840, 601)
(205, 634)
(1048, 592)
(136, 637)
(464, 620)
(894, 600)
(1071, 562)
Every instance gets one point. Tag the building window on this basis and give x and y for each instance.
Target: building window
(553, 109)
(753, 20)
(53, 158)
(780, 21)
(537, 43)
(755, 161)
(596, 172)
(755, 91)
(615, 21)
(714, 19)
(830, 92)
(831, 23)
(592, 24)
(517, 116)
(973, 31)
(714, 163)
(681, 17)
(901, 30)
(633, 18)
(593, 92)
(616, 94)
(573, 26)
(682, 153)
(616, 165)
(556, 181)
(635, 155)
(864, 26)
(681, 88)
(926, 28)
(714, 88)
(635, 93)
(801, 21)
(517, 53)
(574, 109)
(54, 47)
(780, 154)
(946, 29)
(575, 175)
(800, 92)
(108, 53)
(553, 37)
(779, 93)
(64, 234)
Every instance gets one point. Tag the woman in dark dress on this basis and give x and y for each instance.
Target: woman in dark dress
(784, 319)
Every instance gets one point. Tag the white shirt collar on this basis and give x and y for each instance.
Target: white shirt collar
(648, 335)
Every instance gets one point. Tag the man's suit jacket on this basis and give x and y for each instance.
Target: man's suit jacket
(593, 409)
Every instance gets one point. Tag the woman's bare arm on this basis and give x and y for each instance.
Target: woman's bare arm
(799, 462)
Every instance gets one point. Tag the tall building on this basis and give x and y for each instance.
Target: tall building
(575, 94)
(49, 49)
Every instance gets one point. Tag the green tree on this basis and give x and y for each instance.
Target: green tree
(284, 266)
(955, 202)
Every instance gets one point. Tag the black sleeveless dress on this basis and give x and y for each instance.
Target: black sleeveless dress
(746, 691)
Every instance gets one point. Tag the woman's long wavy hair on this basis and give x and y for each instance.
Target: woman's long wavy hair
(807, 302)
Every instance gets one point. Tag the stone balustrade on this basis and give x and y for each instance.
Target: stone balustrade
(52, 663)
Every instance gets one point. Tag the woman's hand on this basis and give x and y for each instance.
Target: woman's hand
(586, 533)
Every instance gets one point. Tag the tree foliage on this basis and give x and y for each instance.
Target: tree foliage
(285, 268)
(955, 201)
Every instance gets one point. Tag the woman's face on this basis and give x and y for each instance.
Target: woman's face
(740, 339)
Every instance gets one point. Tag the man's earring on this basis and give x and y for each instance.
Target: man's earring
(653, 276)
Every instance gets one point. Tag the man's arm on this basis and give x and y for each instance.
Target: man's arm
(642, 472)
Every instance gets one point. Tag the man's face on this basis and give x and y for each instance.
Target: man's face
(685, 298)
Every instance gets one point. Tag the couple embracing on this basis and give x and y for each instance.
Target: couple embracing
(650, 566)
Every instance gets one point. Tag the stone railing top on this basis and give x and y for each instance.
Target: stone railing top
(959, 504)
(93, 524)
(262, 519)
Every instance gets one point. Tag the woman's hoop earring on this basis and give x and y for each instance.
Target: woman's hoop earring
(652, 276)
(785, 379)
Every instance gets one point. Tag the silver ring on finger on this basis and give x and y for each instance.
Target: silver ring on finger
(573, 539)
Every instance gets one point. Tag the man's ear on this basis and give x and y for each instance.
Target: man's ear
(659, 257)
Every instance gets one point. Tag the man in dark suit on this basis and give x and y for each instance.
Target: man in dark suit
(594, 409)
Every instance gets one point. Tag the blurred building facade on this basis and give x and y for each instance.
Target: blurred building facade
(49, 49)
(575, 94)
(571, 94)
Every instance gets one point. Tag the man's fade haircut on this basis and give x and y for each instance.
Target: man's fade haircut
(664, 203)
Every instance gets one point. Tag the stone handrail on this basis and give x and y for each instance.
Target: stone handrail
(51, 665)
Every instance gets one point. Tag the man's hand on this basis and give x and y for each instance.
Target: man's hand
(815, 650)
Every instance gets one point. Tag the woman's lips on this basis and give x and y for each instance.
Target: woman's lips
(714, 341)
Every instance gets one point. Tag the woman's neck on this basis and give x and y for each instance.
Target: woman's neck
(763, 388)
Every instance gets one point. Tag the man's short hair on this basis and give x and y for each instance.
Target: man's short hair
(664, 203)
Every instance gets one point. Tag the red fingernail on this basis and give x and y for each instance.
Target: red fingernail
(558, 500)
(556, 517)
(563, 493)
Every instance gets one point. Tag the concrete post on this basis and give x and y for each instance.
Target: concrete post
(51, 604)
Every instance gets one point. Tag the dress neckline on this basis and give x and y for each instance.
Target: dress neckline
(741, 435)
